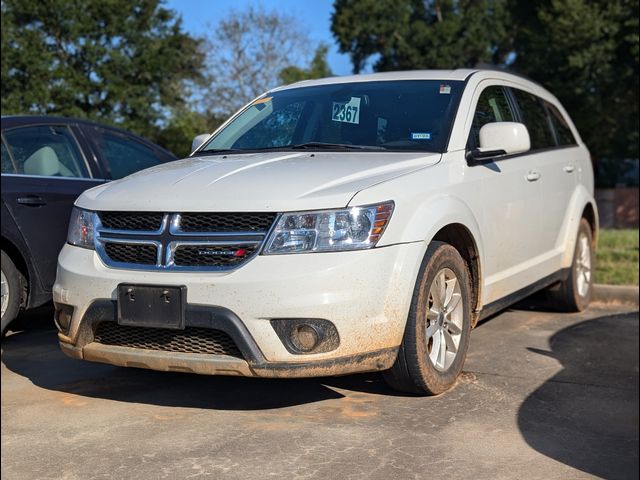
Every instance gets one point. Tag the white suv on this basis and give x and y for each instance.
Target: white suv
(333, 226)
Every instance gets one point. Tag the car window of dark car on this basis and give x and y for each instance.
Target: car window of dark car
(124, 155)
(493, 106)
(45, 150)
(7, 164)
(535, 117)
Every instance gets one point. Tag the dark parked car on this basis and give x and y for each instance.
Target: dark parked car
(46, 163)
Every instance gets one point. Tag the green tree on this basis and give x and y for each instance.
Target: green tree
(183, 125)
(247, 52)
(125, 62)
(586, 53)
(318, 68)
(414, 34)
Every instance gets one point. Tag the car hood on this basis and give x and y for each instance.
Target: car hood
(274, 181)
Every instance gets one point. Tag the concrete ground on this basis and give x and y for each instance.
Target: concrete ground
(544, 395)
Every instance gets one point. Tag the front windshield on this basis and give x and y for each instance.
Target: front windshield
(403, 115)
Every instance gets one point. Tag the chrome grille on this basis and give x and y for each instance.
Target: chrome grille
(140, 254)
(141, 221)
(180, 241)
(226, 222)
(190, 340)
(213, 256)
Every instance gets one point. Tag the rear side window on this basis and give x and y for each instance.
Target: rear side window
(493, 106)
(45, 150)
(563, 132)
(123, 154)
(536, 119)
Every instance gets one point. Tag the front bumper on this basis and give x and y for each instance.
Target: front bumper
(365, 294)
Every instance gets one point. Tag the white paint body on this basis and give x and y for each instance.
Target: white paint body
(510, 137)
(523, 230)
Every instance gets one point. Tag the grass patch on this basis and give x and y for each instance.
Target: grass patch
(617, 257)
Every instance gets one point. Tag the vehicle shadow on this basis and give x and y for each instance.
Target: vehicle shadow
(34, 353)
(586, 416)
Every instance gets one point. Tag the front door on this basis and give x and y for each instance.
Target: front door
(510, 210)
(43, 172)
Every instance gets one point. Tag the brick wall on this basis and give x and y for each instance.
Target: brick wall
(618, 207)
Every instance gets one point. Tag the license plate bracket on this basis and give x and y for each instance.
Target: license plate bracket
(152, 306)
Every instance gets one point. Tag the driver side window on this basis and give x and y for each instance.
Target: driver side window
(493, 106)
(44, 150)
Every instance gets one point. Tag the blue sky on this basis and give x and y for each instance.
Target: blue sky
(314, 17)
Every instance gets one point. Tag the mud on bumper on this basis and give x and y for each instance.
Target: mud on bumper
(247, 360)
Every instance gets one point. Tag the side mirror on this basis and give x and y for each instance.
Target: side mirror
(199, 140)
(501, 138)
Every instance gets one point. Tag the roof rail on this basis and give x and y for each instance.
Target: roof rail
(497, 68)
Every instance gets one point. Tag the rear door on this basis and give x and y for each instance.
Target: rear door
(43, 172)
(122, 154)
(555, 153)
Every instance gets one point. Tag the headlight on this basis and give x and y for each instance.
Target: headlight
(81, 228)
(352, 228)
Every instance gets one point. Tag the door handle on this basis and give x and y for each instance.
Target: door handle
(532, 176)
(32, 201)
(569, 168)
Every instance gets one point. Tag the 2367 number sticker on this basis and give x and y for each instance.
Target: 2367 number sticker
(346, 112)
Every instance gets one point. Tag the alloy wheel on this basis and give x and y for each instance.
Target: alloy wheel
(4, 285)
(444, 319)
(583, 266)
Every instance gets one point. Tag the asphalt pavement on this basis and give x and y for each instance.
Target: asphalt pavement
(543, 396)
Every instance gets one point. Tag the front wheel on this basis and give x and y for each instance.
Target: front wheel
(10, 284)
(436, 336)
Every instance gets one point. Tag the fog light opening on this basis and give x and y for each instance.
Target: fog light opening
(305, 337)
(62, 317)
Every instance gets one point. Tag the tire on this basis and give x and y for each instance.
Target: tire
(574, 293)
(11, 292)
(421, 367)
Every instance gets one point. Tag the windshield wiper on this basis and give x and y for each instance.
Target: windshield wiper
(299, 146)
(222, 151)
(333, 146)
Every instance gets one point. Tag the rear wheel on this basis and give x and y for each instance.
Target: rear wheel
(11, 291)
(436, 336)
(574, 293)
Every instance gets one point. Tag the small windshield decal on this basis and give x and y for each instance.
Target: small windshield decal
(420, 136)
(445, 89)
(262, 100)
(346, 112)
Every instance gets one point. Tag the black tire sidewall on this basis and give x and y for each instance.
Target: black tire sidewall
(13, 279)
(423, 371)
(582, 302)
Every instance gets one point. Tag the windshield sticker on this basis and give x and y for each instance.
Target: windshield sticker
(445, 89)
(262, 100)
(346, 112)
(421, 136)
